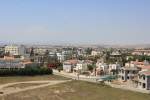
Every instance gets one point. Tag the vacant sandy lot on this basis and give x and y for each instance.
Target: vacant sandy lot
(77, 90)
(17, 87)
(10, 79)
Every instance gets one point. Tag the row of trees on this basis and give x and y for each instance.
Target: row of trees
(28, 71)
(139, 57)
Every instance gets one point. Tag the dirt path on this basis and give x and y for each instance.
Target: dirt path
(16, 90)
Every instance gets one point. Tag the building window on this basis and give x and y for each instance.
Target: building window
(122, 71)
(139, 76)
(122, 78)
(143, 77)
(144, 85)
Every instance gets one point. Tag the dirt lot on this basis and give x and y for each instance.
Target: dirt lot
(24, 85)
(10, 79)
(77, 90)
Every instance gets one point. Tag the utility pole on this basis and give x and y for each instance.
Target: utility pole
(78, 74)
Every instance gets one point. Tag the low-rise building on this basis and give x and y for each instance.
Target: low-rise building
(145, 68)
(128, 73)
(140, 63)
(141, 52)
(69, 65)
(80, 52)
(115, 53)
(144, 80)
(114, 68)
(82, 66)
(102, 65)
(95, 53)
(101, 68)
(2, 48)
(10, 62)
(13, 63)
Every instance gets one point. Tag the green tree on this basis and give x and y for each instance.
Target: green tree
(88, 51)
(90, 67)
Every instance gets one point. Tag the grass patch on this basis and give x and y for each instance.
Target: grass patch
(78, 90)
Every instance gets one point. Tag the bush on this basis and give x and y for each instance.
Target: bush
(28, 71)
(91, 67)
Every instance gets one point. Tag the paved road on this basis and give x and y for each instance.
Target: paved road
(80, 77)
(16, 90)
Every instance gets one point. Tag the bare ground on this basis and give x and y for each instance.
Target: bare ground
(77, 90)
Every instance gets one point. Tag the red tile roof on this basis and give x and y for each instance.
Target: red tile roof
(145, 67)
(74, 61)
(147, 73)
(137, 63)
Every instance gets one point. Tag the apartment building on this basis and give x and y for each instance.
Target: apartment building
(15, 50)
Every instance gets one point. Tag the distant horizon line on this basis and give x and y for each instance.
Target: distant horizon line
(72, 43)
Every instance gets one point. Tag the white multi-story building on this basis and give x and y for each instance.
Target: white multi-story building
(95, 53)
(114, 68)
(103, 66)
(69, 65)
(82, 66)
(15, 50)
(60, 57)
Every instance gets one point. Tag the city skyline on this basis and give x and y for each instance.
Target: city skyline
(75, 21)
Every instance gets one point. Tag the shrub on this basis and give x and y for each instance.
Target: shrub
(28, 71)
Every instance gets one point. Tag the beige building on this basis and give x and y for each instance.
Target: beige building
(95, 53)
(15, 50)
(40, 50)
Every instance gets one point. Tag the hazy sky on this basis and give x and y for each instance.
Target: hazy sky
(75, 21)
